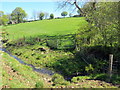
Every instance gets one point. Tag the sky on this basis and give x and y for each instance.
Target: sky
(35, 7)
(31, 7)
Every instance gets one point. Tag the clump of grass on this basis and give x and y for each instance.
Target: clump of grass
(39, 84)
(59, 80)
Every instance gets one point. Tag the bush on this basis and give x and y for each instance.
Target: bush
(89, 68)
(52, 44)
(115, 79)
(59, 80)
(39, 84)
(79, 78)
(100, 76)
(74, 79)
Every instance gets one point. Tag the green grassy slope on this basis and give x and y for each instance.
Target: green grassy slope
(46, 27)
(16, 75)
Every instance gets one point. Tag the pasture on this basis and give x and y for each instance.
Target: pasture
(46, 27)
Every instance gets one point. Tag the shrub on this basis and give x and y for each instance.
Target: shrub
(101, 76)
(59, 80)
(39, 84)
(115, 79)
(89, 68)
(79, 78)
(74, 79)
(52, 43)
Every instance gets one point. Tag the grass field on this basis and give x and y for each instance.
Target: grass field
(46, 27)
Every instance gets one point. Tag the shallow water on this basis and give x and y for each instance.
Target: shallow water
(40, 70)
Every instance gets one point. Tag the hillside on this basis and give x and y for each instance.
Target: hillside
(16, 75)
(46, 27)
(45, 44)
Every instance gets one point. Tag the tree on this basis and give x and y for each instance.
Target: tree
(76, 3)
(51, 16)
(79, 13)
(1, 13)
(3, 18)
(18, 14)
(104, 29)
(41, 16)
(64, 13)
(103, 23)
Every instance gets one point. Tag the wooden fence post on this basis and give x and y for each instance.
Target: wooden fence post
(110, 66)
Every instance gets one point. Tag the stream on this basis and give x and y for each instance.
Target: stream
(40, 70)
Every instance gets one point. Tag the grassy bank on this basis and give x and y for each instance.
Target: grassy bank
(16, 75)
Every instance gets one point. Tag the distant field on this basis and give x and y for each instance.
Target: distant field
(46, 27)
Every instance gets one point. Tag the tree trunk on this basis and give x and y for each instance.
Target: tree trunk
(78, 7)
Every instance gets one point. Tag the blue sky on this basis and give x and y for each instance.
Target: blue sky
(31, 7)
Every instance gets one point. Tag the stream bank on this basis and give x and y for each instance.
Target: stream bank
(40, 70)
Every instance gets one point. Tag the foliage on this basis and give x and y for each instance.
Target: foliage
(39, 84)
(89, 68)
(78, 11)
(56, 60)
(58, 79)
(61, 42)
(1, 13)
(66, 62)
(72, 3)
(79, 78)
(64, 13)
(115, 79)
(51, 16)
(3, 18)
(41, 16)
(101, 36)
(103, 23)
(18, 14)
